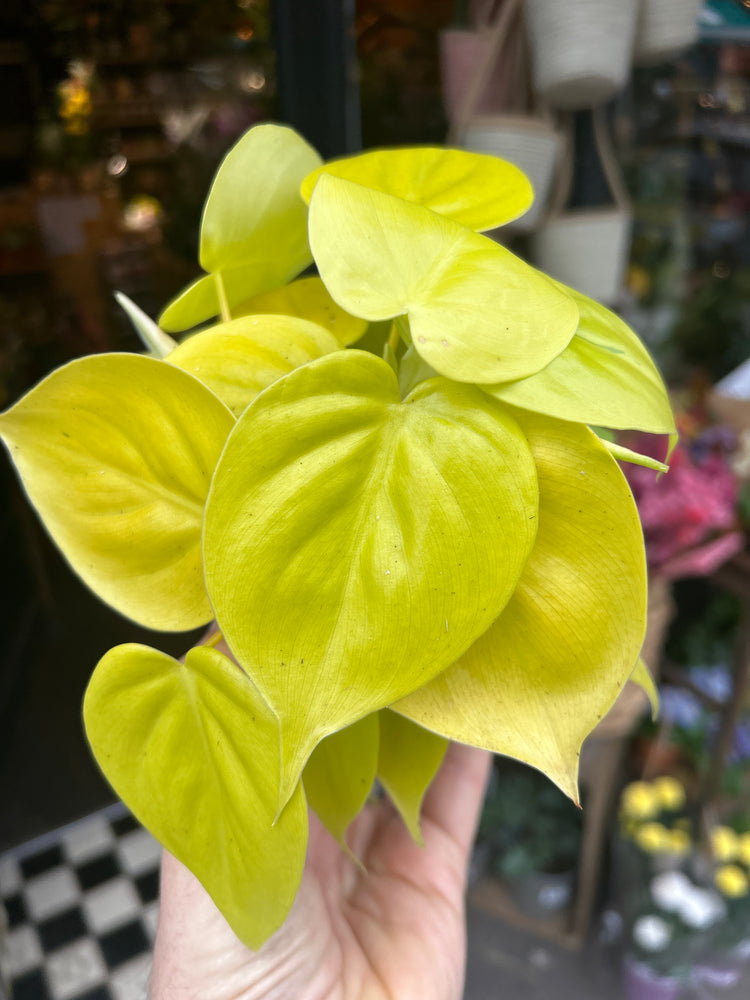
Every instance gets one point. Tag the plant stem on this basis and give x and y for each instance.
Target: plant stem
(214, 639)
(394, 337)
(223, 304)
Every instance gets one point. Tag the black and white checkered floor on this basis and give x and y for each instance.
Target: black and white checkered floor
(82, 909)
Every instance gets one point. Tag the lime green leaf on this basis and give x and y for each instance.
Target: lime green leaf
(537, 682)
(604, 376)
(475, 189)
(409, 759)
(623, 454)
(355, 545)
(254, 211)
(477, 313)
(642, 677)
(196, 303)
(254, 225)
(116, 453)
(236, 360)
(340, 773)
(309, 299)
(193, 751)
(155, 339)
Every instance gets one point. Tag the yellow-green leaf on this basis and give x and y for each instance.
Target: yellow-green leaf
(307, 298)
(236, 360)
(537, 682)
(199, 302)
(193, 751)
(475, 189)
(254, 225)
(355, 545)
(116, 452)
(340, 773)
(409, 759)
(477, 313)
(254, 211)
(155, 339)
(605, 376)
(642, 677)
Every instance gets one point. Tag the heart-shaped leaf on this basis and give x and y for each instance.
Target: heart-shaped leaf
(236, 360)
(254, 225)
(477, 313)
(254, 211)
(475, 189)
(307, 298)
(340, 773)
(355, 545)
(193, 751)
(605, 376)
(409, 759)
(116, 452)
(537, 682)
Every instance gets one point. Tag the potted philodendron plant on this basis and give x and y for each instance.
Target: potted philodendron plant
(404, 542)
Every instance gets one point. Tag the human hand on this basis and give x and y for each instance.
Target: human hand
(393, 932)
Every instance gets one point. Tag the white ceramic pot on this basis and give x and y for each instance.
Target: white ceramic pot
(581, 50)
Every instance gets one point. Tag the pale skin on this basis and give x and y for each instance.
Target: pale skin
(394, 932)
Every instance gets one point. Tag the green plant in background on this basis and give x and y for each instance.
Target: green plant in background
(401, 545)
(530, 825)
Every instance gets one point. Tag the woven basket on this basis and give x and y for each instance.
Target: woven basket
(532, 144)
(665, 27)
(500, 79)
(588, 248)
(580, 49)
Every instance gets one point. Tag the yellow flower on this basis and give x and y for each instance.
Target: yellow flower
(679, 842)
(669, 792)
(724, 843)
(731, 881)
(639, 800)
(744, 849)
(654, 838)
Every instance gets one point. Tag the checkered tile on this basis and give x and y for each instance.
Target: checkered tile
(82, 910)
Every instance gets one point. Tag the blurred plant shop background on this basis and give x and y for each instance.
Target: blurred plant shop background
(632, 117)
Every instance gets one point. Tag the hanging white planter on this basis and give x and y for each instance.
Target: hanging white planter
(589, 248)
(490, 117)
(580, 49)
(665, 28)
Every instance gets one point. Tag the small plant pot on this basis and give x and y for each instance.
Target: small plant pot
(581, 49)
(641, 983)
(539, 894)
(665, 27)
(587, 249)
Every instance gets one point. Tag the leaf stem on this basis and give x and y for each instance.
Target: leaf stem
(213, 640)
(394, 337)
(223, 304)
